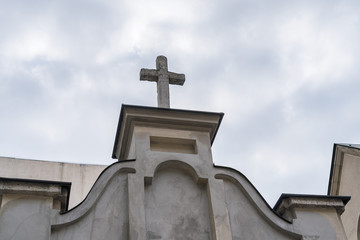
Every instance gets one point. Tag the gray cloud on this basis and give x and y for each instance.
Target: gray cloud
(284, 72)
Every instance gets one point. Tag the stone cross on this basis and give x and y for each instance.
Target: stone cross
(163, 77)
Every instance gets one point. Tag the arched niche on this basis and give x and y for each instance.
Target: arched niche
(176, 204)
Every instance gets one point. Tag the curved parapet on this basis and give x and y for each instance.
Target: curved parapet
(247, 208)
(104, 208)
(173, 200)
(294, 216)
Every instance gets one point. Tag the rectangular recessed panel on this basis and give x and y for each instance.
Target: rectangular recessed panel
(178, 145)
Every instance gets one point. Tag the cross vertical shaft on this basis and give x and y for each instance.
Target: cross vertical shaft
(163, 95)
(163, 78)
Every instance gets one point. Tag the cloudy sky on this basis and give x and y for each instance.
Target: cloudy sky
(285, 73)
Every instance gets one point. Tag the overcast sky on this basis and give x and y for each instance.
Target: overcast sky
(285, 73)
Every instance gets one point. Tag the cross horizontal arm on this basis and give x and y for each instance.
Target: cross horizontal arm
(176, 78)
(163, 78)
(149, 75)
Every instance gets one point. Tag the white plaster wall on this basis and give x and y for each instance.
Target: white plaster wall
(82, 176)
(349, 186)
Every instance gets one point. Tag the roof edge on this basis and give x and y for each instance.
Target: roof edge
(124, 106)
(344, 199)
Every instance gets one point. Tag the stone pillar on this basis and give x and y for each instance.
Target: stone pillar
(136, 194)
(219, 217)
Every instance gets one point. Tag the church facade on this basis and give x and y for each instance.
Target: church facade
(164, 185)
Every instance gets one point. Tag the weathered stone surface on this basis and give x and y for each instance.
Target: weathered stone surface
(106, 219)
(176, 206)
(244, 215)
(163, 78)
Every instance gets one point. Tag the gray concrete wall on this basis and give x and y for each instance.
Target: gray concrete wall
(26, 218)
(176, 207)
(319, 224)
(244, 216)
(107, 219)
